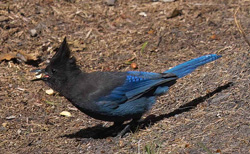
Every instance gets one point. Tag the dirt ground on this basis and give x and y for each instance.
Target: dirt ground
(205, 112)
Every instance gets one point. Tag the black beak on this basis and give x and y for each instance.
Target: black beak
(38, 72)
(38, 79)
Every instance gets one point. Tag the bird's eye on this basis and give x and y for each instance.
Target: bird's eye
(53, 70)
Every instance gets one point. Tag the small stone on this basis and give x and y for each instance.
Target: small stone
(50, 91)
(33, 32)
(143, 14)
(110, 2)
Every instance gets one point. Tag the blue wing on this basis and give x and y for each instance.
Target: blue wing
(138, 84)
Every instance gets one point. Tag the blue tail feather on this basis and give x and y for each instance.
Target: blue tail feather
(188, 67)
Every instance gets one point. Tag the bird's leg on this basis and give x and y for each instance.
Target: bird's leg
(117, 124)
(134, 122)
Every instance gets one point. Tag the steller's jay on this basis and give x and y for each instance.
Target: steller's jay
(112, 96)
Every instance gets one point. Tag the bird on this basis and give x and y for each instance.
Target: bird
(112, 96)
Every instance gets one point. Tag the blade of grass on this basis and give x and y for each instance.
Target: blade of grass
(143, 47)
(50, 103)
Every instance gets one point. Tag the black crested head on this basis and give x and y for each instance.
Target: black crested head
(61, 68)
(62, 54)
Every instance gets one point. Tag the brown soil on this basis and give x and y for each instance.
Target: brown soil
(205, 112)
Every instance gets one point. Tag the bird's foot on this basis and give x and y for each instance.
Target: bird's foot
(119, 129)
(133, 126)
(124, 131)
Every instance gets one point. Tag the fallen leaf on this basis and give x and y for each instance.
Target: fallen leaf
(151, 32)
(20, 56)
(29, 57)
(7, 56)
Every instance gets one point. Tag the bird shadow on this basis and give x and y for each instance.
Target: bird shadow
(101, 132)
